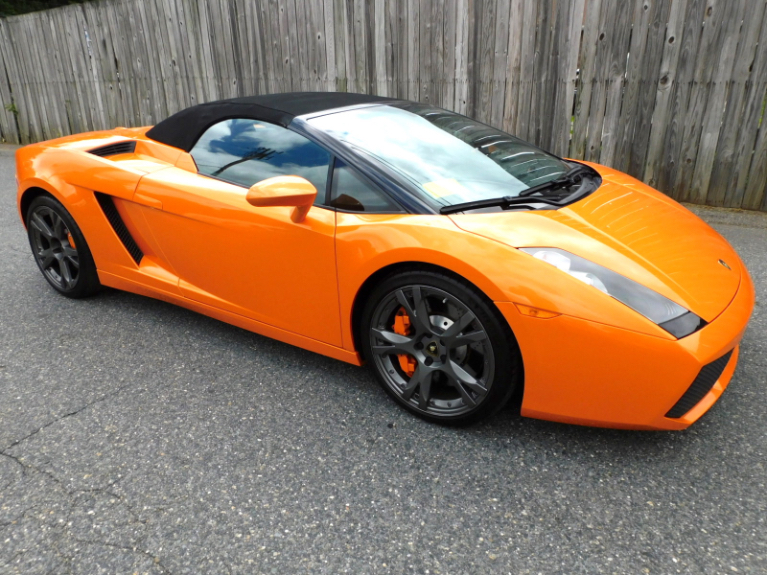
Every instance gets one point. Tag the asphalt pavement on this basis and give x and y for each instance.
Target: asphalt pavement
(138, 437)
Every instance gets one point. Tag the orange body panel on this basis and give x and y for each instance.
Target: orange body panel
(624, 227)
(595, 374)
(588, 358)
(252, 261)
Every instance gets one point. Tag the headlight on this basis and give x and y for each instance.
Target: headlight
(672, 317)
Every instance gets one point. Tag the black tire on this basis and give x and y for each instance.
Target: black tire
(60, 249)
(463, 362)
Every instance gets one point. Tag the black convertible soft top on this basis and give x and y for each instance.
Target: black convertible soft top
(183, 129)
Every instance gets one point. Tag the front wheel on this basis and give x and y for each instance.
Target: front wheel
(438, 347)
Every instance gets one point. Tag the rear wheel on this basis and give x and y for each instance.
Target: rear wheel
(438, 348)
(60, 249)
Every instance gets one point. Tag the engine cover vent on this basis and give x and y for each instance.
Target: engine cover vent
(126, 147)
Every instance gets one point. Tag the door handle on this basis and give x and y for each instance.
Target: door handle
(148, 201)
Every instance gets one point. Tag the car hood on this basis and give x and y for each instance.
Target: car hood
(634, 230)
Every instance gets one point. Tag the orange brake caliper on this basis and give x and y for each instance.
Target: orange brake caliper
(402, 327)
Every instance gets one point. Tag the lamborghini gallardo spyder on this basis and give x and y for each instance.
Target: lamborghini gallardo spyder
(462, 264)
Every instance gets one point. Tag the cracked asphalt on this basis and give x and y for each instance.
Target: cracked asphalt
(137, 437)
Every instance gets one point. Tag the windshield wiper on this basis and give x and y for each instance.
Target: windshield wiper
(494, 202)
(571, 178)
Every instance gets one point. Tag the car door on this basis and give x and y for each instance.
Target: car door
(252, 261)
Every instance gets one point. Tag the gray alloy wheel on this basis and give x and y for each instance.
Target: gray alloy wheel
(439, 350)
(60, 249)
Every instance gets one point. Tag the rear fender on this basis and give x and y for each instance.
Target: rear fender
(71, 177)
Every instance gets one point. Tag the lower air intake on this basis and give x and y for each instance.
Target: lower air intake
(706, 379)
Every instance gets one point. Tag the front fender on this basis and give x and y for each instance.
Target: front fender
(368, 243)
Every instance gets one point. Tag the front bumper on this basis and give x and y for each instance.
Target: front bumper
(587, 373)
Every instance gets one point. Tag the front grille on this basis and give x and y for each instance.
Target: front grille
(706, 379)
(118, 225)
(126, 147)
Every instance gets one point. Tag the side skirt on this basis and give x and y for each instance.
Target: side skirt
(117, 282)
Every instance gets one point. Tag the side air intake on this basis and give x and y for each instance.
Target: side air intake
(110, 211)
(126, 147)
(706, 379)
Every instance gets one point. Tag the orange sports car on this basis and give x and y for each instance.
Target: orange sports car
(460, 263)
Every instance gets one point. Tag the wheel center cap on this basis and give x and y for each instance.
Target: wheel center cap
(432, 348)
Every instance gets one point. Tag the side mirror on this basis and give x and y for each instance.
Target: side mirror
(284, 191)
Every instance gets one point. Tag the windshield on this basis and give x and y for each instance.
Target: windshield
(450, 158)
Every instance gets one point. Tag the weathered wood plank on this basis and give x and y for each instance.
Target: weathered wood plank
(450, 46)
(43, 76)
(567, 42)
(723, 185)
(319, 55)
(16, 81)
(424, 49)
(158, 56)
(8, 124)
(461, 93)
(526, 70)
(289, 64)
(103, 59)
(586, 80)
(754, 196)
(436, 86)
(615, 84)
(189, 28)
(413, 50)
(752, 128)
(500, 58)
(380, 76)
(641, 73)
(598, 103)
(30, 104)
(394, 53)
(358, 35)
(80, 94)
(485, 13)
(672, 145)
(123, 81)
(711, 41)
(255, 55)
(649, 76)
(243, 44)
(275, 63)
(341, 48)
(540, 94)
(513, 62)
(331, 74)
(665, 91)
(715, 107)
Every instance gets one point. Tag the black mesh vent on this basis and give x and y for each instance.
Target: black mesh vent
(110, 211)
(700, 387)
(126, 147)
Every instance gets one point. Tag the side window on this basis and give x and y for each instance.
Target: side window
(352, 193)
(243, 152)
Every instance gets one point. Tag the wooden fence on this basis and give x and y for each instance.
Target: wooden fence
(671, 91)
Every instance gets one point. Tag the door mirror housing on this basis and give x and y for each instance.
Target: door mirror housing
(284, 191)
